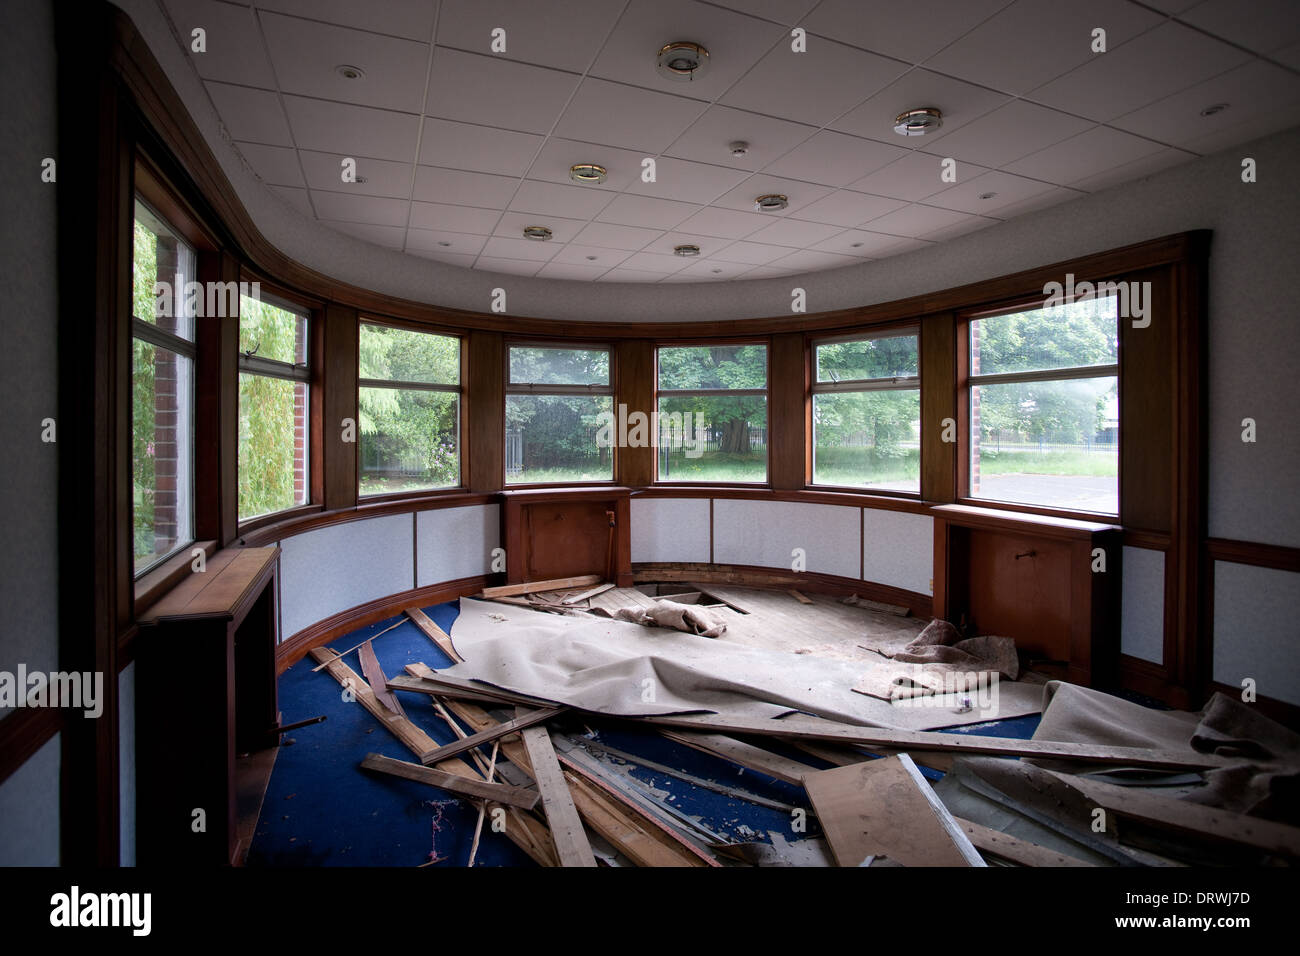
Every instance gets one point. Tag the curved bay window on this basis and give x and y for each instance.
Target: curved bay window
(559, 404)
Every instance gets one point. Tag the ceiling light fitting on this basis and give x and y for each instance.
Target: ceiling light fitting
(1216, 108)
(918, 122)
(349, 72)
(686, 250)
(771, 202)
(739, 148)
(682, 61)
(540, 233)
(587, 173)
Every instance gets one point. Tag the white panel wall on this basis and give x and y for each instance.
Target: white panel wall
(340, 566)
(898, 549)
(670, 529)
(1142, 619)
(29, 810)
(1257, 628)
(764, 533)
(126, 763)
(454, 543)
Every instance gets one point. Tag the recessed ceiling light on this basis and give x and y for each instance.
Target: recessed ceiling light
(739, 148)
(359, 179)
(686, 250)
(682, 60)
(1216, 108)
(855, 245)
(987, 195)
(349, 72)
(587, 173)
(591, 258)
(540, 233)
(771, 202)
(443, 242)
(918, 122)
(716, 271)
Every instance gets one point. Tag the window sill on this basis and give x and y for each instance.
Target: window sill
(153, 584)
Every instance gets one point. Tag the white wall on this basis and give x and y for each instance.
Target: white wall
(454, 543)
(126, 763)
(1142, 604)
(898, 550)
(1257, 629)
(29, 810)
(670, 529)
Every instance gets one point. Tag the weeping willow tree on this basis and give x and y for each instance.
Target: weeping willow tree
(266, 409)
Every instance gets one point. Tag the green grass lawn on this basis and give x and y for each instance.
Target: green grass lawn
(1091, 464)
(716, 466)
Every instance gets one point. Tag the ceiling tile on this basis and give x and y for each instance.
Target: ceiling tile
(234, 51)
(626, 116)
(646, 211)
(973, 224)
(483, 149)
(958, 101)
(372, 210)
(754, 253)
(1163, 61)
(917, 220)
(552, 199)
(1153, 163)
(564, 230)
(1007, 134)
(1172, 6)
(253, 116)
(713, 269)
(461, 188)
(1087, 154)
(1033, 41)
(910, 30)
(1053, 197)
(867, 245)
(630, 275)
(382, 177)
(1254, 91)
(1263, 25)
(585, 272)
(518, 267)
(496, 92)
(305, 54)
(813, 87)
(390, 237)
(787, 12)
(274, 165)
(295, 197)
(552, 165)
(656, 262)
(431, 240)
(724, 223)
(664, 244)
(847, 208)
(793, 232)
(708, 138)
(351, 130)
(500, 247)
(810, 260)
(445, 255)
(412, 19)
(1290, 56)
(631, 238)
(1006, 188)
(799, 194)
(687, 181)
(915, 176)
(545, 32)
(605, 257)
(769, 272)
(735, 43)
(835, 159)
(1284, 118)
(428, 215)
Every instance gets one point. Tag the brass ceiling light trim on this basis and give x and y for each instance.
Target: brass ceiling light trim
(771, 202)
(587, 173)
(682, 61)
(539, 233)
(918, 122)
(686, 250)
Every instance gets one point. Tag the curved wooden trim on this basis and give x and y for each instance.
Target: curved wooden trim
(1148, 540)
(1252, 552)
(848, 499)
(320, 519)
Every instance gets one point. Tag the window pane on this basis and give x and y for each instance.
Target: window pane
(713, 438)
(272, 444)
(274, 333)
(1074, 335)
(161, 267)
(542, 366)
(713, 366)
(403, 355)
(1047, 443)
(552, 438)
(409, 440)
(868, 439)
(892, 357)
(162, 468)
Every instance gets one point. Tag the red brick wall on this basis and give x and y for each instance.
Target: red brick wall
(300, 477)
(166, 415)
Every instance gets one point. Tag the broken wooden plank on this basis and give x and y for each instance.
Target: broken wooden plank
(375, 678)
(556, 584)
(444, 685)
(341, 654)
(487, 736)
(799, 597)
(570, 838)
(434, 633)
(895, 609)
(1006, 847)
(584, 595)
(466, 786)
(746, 755)
(886, 808)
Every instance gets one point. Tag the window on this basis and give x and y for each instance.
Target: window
(712, 409)
(273, 419)
(162, 391)
(558, 401)
(867, 412)
(409, 405)
(1044, 407)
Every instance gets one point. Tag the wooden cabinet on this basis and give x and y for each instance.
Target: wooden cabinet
(205, 691)
(563, 533)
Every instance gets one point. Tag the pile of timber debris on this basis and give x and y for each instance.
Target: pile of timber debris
(567, 805)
